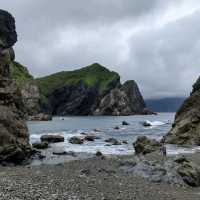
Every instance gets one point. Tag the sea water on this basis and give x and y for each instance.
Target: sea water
(76, 126)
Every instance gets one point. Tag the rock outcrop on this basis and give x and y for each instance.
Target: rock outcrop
(93, 90)
(186, 128)
(29, 89)
(124, 100)
(14, 142)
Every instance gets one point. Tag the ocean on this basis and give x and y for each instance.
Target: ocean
(76, 126)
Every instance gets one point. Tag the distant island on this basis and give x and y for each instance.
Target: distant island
(91, 90)
(170, 104)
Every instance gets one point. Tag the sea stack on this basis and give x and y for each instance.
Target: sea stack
(186, 128)
(14, 142)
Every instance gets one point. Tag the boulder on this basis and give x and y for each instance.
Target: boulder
(52, 138)
(40, 145)
(144, 145)
(14, 143)
(146, 124)
(76, 140)
(113, 141)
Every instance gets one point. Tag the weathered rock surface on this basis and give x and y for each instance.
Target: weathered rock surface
(14, 143)
(52, 138)
(144, 145)
(186, 128)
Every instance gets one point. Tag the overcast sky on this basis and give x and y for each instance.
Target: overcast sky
(155, 42)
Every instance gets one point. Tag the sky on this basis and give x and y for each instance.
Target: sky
(154, 42)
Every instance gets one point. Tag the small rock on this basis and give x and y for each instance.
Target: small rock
(98, 153)
(113, 141)
(52, 138)
(76, 140)
(91, 138)
(146, 124)
(116, 128)
(124, 142)
(40, 145)
(124, 123)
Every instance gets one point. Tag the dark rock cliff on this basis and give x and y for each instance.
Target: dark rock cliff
(93, 90)
(186, 128)
(14, 143)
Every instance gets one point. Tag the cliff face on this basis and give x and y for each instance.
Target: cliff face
(14, 142)
(93, 90)
(123, 100)
(29, 89)
(186, 128)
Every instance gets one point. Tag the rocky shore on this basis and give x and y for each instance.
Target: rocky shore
(94, 178)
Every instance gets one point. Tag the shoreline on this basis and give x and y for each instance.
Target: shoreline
(92, 178)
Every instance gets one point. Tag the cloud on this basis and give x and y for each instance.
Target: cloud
(154, 42)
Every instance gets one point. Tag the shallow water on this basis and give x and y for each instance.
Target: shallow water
(74, 126)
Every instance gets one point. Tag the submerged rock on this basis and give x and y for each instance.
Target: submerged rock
(144, 145)
(14, 143)
(52, 138)
(91, 138)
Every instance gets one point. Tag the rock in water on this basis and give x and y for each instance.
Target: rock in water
(14, 143)
(186, 128)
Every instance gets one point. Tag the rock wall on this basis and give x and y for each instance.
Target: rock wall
(186, 127)
(14, 143)
(123, 100)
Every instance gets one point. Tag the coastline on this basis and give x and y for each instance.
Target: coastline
(92, 178)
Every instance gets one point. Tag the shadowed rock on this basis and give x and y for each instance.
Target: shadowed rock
(14, 143)
(186, 127)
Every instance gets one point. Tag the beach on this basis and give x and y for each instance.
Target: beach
(94, 178)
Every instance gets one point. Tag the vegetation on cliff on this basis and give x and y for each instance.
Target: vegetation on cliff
(93, 75)
(20, 73)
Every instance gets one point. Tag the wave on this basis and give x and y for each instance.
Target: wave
(154, 123)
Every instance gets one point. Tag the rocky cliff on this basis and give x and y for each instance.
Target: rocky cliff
(29, 89)
(14, 143)
(92, 90)
(186, 128)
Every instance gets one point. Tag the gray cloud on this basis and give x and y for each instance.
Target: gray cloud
(154, 42)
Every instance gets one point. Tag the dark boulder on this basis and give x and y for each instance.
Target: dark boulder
(52, 138)
(144, 145)
(40, 145)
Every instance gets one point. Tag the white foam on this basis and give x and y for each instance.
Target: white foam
(155, 123)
